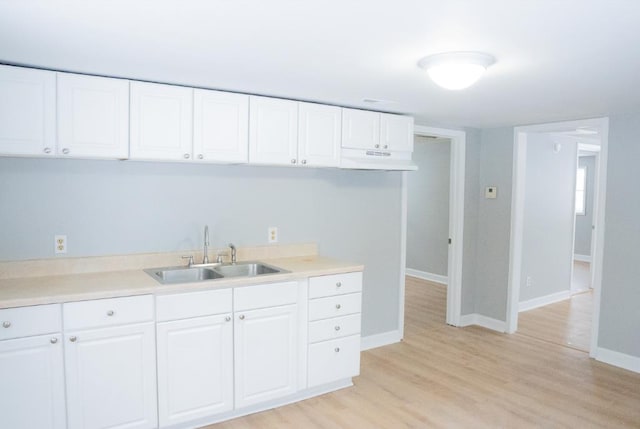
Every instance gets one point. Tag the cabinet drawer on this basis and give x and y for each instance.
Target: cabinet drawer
(28, 321)
(337, 327)
(334, 306)
(335, 284)
(261, 296)
(193, 304)
(334, 360)
(107, 312)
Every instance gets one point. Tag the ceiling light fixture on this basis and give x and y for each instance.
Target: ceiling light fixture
(456, 70)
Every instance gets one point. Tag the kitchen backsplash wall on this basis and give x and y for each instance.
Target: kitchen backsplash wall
(108, 207)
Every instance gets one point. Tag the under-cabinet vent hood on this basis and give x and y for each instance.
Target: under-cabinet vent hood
(366, 159)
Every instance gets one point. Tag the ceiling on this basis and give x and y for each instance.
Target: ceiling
(556, 59)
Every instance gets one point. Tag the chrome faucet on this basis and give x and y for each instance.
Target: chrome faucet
(233, 253)
(205, 258)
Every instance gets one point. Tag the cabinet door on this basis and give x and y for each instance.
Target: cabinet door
(93, 116)
(195, 368)
(266, 354)
(220, 126)
(319, 134)
(273, 131)
(161, 122)
(32, 383)
(27, 111)
(396, 132)
(360, 129)
(334, 360)
(111, 377)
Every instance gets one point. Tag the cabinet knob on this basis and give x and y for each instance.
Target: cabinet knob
(386, 146)
(201, 156)
(47, 150)
(241, 317)
(110, 313)
(187, 156)
(337, 349)
(304, 162)
(228, 318)
(6, 324)
(73, 339)
(377, 146)
(65, 151)
(338, 306)
(293, 161)
(338, 284)
(53, 340)
(337, 328)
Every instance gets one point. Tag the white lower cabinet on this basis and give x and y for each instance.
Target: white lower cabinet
(110, 371)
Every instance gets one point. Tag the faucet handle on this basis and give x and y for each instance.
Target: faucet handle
(220, 255)
(190, 257)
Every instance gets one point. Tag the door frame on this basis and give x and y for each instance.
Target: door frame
(456, 223)
(517, 217)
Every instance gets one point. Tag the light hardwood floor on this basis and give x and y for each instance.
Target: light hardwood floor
(445, 377)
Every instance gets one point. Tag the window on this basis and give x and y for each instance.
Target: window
(581, 190)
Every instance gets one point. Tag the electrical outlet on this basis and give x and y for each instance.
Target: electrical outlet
(529, 281)
(273, 234)
(60, 243)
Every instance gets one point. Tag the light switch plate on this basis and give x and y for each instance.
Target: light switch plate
(491, 192)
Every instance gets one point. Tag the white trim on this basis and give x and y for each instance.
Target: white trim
(403, 251)
(378, 340)
(484, 321)
(456, 217)
(430, 277)
(621, 360)
(582, 258)
(544, 300)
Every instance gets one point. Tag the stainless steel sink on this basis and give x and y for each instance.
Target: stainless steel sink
(247, 269)
(169, 275)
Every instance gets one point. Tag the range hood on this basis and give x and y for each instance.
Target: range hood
(365, 159)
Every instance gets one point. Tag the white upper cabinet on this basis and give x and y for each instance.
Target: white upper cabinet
(27, 111)
(93, 116)
(161, 122)
(273, 131)
(319, 135)
(220, 126)
(360, 129)
(396, 132)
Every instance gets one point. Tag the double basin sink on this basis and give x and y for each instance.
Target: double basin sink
(172, 275)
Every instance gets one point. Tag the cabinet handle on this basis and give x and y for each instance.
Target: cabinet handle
(65, 151)
(304, 162)
(377, 146)
(228, 318)
(201, 156)
(187, 156)
(293, 161)
(53, 340)
(338, 284)
(337, 350)
(47, 150)
(110, 313)
(241, 317)
(337, 328)
(6, 324)
(338, 306)
(73, 339)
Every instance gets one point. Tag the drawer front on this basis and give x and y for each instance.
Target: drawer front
(335, 306)
(193, 304)
(337, 327)
(262, 296)
(28, 321)
(334, 360)
(335, 284)
(107, 312)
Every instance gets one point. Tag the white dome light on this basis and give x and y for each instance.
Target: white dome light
(456, 70)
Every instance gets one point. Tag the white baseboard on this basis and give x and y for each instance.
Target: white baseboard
(379, 340)
(484, 321)
(544, 300)
(436, 278)
(582, 258)
(621, 360)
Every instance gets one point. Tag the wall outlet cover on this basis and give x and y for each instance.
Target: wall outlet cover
(273, 234)
(60, 242)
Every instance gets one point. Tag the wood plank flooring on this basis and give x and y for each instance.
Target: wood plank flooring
(446, 377)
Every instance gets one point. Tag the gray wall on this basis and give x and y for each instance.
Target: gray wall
(620, 295)
(113, 207)
(584, 222)
(428, 206)
(547, 239)
(470, 233)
